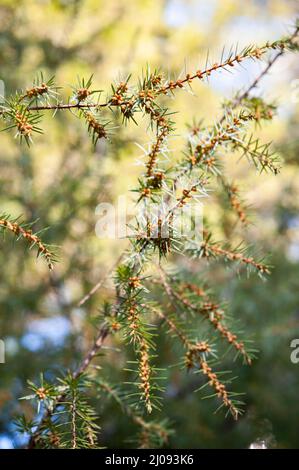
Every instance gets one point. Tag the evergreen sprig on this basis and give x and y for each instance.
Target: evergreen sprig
(134, 311)
(21, 230)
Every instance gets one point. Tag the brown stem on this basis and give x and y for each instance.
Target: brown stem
(74, 430)
(264, 72)
(72, 106)
(230, 62)
(31, 238)
(99, 284)
(104, 331)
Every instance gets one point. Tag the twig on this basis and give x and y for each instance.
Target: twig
(74, 431)
(63, 106)
(99, 284)
(264, 72)
(103, 333)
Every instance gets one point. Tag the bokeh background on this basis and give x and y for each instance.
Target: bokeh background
(61, 179)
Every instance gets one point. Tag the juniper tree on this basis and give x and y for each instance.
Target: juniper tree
(149, 296)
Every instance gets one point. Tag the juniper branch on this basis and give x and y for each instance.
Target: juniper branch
(241, 97)
(129, 305)
(32, 239)
(210, 311)
(196, 354)
(91, 354)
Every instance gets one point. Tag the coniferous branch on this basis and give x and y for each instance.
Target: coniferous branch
(82, 92)
(68, 420)
(41, 91)
(215, 316)
(196, 358)
(83, 367)
(132, 309)
(60, 395)
(23, 231)
(152, 433)
(155, 150)
(73, 424)
(130, 316)
(254, 109)
(235, 201)
(229, 135)
(252, 52)
(292, 45)
(210, 310)
(259, 153)
(203, 144)
(77, 413)
(97, 129)
(20, 118)
(258, 109)
(211, 249)
(144, 98)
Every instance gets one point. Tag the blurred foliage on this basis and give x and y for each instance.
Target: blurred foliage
(61, 179)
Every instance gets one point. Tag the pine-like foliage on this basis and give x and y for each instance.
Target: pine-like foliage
(135, 314)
